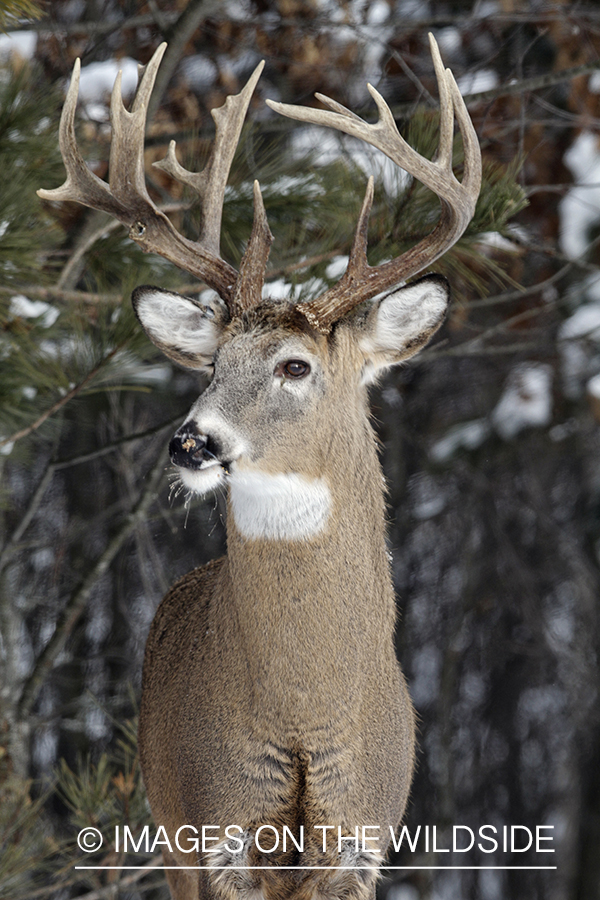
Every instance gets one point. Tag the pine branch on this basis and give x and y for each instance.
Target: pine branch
(11, 546)
(91, 233)
(55, 293)
(19, 9)
(29, 429)
(99, 893)
(72, 296)
(109, 889)
(120, 442)
(133, 878)
(78, 600)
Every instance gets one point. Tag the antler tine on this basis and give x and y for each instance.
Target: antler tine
(444, 151)
(210, 184)
(126, 198)
(471, 182)
(80, 183)
(248, 289)
(360, 281)
(126, 167)
(122, 191)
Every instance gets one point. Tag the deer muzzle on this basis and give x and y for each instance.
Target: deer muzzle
(189, 450)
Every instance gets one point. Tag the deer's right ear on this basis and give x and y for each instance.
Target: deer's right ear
(186, 330)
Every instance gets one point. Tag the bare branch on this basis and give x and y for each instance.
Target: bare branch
(178, 34)
(11, 546)
(24, 432)
(77, 602)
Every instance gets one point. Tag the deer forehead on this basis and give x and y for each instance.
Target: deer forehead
(276, 332)
(252, 349)
(259, 353)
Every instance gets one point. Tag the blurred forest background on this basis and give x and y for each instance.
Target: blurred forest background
(490, 438)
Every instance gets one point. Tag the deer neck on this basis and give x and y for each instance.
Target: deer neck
(315, 610)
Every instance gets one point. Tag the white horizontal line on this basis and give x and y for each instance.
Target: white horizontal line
(272, 868)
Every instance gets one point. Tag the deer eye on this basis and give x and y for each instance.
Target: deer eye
(292, 368)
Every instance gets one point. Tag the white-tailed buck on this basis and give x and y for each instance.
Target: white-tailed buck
(273, 704)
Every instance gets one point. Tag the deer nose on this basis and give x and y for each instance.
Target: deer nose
(186, 449)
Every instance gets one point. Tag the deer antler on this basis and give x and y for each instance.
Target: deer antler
(361, 281)
(126, 198)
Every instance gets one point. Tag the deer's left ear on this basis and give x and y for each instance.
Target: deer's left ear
(399, 325)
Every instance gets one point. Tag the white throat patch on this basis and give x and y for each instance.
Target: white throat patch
(279, 507)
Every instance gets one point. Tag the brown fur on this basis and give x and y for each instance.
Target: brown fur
(271, 691)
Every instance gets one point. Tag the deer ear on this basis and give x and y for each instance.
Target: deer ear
(186, 330)
(399, 325)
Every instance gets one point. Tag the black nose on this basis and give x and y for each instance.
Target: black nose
(186, 449)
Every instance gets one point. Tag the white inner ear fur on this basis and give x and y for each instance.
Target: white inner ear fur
(279, 507)
(401, 319)
(177, 322)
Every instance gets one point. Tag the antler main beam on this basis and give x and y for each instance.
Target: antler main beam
(126, 197)
(458, 199)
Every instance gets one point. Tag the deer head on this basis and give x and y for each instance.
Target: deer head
(289, 373)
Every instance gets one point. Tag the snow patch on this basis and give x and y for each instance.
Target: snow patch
(465, 435)
(293, 185)
(591, 287)
(334, 145)
(240, 11)
(580, 207)
(593, 387)
(337, 267)
(199, 72)
(539, 704)
(158, 375)
(578, 345)
(427, 499)
(594, 83)
(497, 241)
(276, 290)
(583, 323)
(526, 401)
(485, 8)
(473, 688)
(477, 82)
(378, 12)
(19, 43)
(24, 308)
(98, 78)
(449, 40)
(402, 892)
(427, 666)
